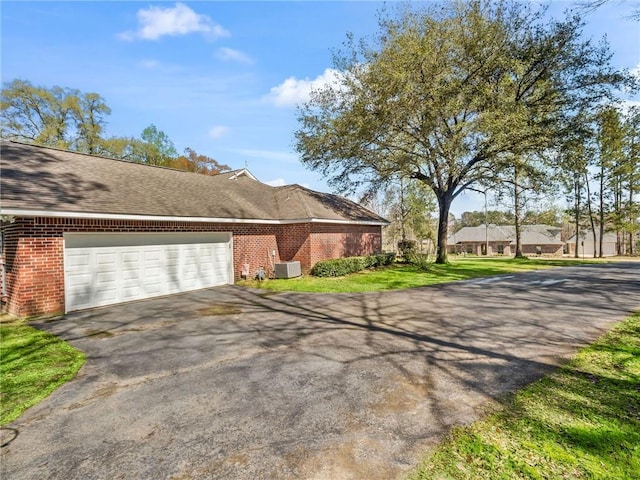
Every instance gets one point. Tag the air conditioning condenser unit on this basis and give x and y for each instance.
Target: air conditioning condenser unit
(288, 269)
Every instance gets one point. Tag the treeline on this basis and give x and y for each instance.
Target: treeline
(598, 170)
(69, 119)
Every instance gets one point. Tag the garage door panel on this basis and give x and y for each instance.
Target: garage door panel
(106, 296)
(78, 260)
(130, 259)
(106, 279)
(102, 271)
(131, 293)
(153, 256)
(152, 284)
(106, 258)
(130, 275)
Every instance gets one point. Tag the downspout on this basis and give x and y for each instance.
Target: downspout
(3, 274)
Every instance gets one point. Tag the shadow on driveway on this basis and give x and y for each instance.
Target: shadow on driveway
(238, 383)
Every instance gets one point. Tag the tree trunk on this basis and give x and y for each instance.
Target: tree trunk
(444, 204)
(591, 219)
(516, 205)
(631, 219)
(403, 212)
(619, 214)
(601, 213)
(577, 214)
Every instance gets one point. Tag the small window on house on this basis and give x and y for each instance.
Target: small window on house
(500, 249)
(469, 249)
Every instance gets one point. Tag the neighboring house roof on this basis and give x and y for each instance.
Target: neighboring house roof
(40, 181)
(531, 235)
(587, 236)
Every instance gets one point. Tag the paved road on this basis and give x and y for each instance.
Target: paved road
(313, 386)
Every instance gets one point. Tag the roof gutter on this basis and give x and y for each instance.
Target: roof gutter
(17, 212)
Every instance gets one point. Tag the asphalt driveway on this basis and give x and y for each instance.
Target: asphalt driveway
(242, 384)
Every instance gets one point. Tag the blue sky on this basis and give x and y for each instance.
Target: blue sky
(222, 78)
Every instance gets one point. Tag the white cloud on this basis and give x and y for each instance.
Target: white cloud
(231, 55)
(294, 91)
(635, 71)
(218, 131)
(278, 182)
(156, 22)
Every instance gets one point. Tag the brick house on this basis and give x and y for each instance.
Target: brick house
(501, 240)
(586, 245)
(81, 231)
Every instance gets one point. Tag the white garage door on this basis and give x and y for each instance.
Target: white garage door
(103, 268)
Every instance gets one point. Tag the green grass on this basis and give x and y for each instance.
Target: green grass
(33, 364)
(407, 276)
(583, 421)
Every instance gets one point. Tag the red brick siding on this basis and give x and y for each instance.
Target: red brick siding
(34, 275)
(336, 240)
(294, 243)
(549, 250)
(33, 250)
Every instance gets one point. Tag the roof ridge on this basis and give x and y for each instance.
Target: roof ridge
(295, 188)
(102, 157)
(503, 232)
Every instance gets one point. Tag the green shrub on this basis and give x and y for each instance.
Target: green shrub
(384, 259)
(338, 267)
(422, 261)
(406, 248)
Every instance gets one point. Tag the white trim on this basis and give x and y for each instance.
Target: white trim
(242, 172)
(161, 218)
(346, 222)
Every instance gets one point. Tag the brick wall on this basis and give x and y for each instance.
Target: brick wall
(34, 276)
(477, 248)
(33, 251)
(336, 240)
(548, 250)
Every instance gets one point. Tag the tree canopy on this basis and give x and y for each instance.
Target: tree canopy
(72, 120)
(55, 117)
(445, 92)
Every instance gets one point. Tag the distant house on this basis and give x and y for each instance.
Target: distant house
(81, 231)
(501, 240)
(586, 245)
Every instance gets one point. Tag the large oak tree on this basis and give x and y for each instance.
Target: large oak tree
(67, 118)
(55, 117)
(442, 94)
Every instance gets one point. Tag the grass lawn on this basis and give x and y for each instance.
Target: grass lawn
(407, 276)
(583, 421)
(33, 364)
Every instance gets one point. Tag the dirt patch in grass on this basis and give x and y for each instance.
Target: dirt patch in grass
(99, 334)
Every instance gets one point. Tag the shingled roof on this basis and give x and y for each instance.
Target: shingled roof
(37, 180)
(531, 234)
